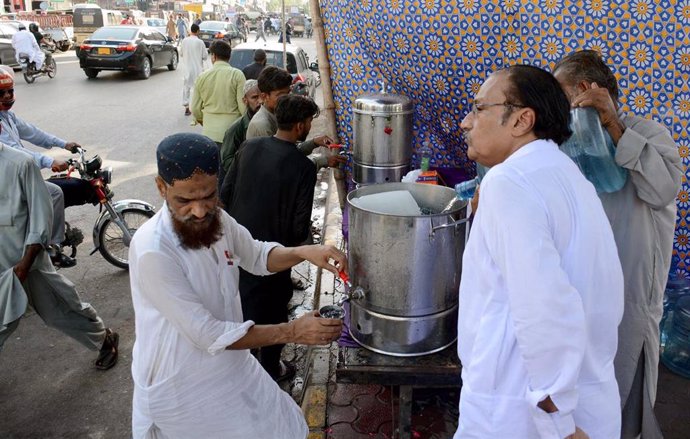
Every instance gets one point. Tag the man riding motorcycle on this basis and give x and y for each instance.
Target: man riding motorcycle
(42, 42)
(24, 42)
(12, 131)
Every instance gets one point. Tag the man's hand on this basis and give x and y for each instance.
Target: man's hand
(310, 329)
(600, 99)
(21, 271)
(72, 147)
(579, 434)
(335, 160)
(323, 141)
(321, 256)
(59, 165)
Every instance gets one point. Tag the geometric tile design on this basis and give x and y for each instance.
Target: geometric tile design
(437, 52)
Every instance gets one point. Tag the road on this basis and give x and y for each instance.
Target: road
(48, 384)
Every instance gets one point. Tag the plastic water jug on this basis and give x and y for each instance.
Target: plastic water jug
(677, 287)
(676, 355)
(592, 148)
(465, 189)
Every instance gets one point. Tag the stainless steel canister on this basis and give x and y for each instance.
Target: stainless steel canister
(408, 269)
(382, 146)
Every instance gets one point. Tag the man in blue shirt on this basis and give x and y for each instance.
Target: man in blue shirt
(12, 131)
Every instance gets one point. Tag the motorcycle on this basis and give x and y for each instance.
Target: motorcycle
(29, 69)
(117, 222)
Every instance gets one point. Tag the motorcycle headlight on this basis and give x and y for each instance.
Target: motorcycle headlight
(93, 165)
(106, 174)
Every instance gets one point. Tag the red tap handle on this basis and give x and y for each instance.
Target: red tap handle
(335, 145)
(344, 277)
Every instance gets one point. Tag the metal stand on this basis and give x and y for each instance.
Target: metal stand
(361, 366)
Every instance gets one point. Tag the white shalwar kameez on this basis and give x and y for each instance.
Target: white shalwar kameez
(541, 298)
(25, 42)
(187, 307)
(193, 53)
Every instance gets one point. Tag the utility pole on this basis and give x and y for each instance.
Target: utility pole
(282, 2)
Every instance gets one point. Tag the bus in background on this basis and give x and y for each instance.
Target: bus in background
(88, 17)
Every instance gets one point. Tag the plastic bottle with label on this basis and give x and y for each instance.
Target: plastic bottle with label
(592, 148)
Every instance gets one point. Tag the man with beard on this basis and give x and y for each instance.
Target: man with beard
(269, 190)
(193, 373)
(237, 132)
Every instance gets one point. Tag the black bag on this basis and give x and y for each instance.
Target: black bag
(76, 190)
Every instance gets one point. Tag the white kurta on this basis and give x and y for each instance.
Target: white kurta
(25, 42)
(187, 309)
(193, 53)
(541, 298)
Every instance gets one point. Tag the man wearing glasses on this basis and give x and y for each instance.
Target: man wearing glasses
(12, 131)
(541, 294)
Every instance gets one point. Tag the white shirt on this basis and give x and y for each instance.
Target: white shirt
(187, 310)
(193, 53)
(25, 42)
(541, 297)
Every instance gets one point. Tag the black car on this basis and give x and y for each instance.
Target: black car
(210, 31)
(126, 48)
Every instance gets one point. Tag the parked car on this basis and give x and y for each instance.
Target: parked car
(297, 61)
(210, 31)
(156, 23)
(7, 55)
(127, 48)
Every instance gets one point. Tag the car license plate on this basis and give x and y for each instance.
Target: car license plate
(104, 51)
(205, 37)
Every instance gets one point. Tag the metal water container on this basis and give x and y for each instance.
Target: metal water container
(382, 146)
(405, 271)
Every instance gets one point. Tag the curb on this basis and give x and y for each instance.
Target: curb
(315, 401)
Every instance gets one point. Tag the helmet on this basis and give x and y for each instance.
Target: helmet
(6, 84)
(33, 27)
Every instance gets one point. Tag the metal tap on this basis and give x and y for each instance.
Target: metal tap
(351, 293)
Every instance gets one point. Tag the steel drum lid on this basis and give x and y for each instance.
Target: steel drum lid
(383, 104)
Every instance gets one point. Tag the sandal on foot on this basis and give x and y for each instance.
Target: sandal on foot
(287, 371)
(107, 357)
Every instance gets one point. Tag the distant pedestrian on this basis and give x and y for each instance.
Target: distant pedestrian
(260, 30)
(181, 27)
(193, 53)
(253, 70)
(308, 28)
(218, 94)
(171, 27)
(287, 33)
(26, 274)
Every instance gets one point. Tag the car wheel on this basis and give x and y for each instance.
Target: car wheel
(145, 71)
(53, 68)
(91, 73)
(173, 62)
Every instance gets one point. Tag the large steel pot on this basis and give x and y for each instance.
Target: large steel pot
(408, 269)
(382, 146)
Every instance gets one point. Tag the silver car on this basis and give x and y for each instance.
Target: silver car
(297, 61)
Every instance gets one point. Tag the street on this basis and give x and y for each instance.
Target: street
(49, 385)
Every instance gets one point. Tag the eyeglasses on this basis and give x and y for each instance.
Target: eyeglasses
(7, 91)
(476, 108)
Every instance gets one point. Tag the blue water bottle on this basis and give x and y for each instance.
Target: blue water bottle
(677, 287)
(592, 148)
(676, 355)
(465, 189)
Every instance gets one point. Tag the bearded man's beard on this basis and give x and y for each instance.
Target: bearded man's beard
(195, 235)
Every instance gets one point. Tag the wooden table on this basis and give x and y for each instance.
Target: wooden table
(357, 365)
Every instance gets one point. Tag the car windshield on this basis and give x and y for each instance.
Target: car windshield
(114, 33)
(242, 58)
(212, 25)
(155, 22)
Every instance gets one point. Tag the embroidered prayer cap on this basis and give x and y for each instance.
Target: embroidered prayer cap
(249, 84)
(182, 155)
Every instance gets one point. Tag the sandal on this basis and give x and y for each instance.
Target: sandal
(287, 371)
(107, 356)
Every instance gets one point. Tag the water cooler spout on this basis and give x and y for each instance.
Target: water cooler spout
(355, 294)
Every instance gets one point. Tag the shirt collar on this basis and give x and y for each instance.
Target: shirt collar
(531, 147)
